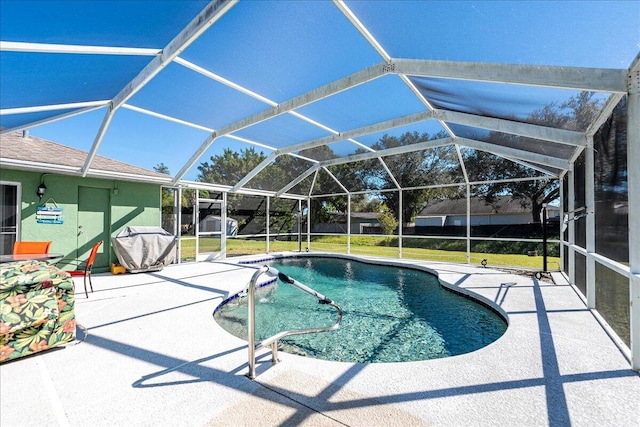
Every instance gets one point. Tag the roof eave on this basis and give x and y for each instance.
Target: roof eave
(42, 167)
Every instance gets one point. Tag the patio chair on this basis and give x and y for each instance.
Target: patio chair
(88, 264)
(25, 248)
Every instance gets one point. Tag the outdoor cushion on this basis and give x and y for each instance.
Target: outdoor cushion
(36, 308)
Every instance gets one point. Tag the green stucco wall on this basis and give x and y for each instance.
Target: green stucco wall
(129, 203)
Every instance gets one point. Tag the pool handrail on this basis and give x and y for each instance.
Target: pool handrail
(273, 340)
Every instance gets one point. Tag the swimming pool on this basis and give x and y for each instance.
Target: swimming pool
(390, 314)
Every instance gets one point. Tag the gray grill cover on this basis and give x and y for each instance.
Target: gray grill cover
(144, 248)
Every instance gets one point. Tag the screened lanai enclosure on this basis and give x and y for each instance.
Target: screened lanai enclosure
(495, 133)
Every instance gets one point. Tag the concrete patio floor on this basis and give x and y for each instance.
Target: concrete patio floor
(153, 355)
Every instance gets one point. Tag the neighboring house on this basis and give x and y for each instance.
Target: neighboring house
(213, 224)
(453, 212)
(442, 214)
(110, 197)
(361, 223)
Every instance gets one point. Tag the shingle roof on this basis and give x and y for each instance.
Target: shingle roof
(24, 151)
(502, 205)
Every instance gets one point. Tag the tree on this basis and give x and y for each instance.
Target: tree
(227, 169)
(437, 165)
(610, 142)
(167, 193)
(162, 168)
(388, 221)
(531, 194)
(230, 167)
(167, 200)
(575, 114)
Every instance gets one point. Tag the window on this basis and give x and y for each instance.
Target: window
(9, 215)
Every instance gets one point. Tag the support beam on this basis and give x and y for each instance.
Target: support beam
(41, 108)
(563, 208)
(462, 165)
(365, 130)
(575, 78)
(313, 183)
(400, 222)
(353, 80)
(527, 130)
(515, 153)
(349, 224)
(605, 113)
(389, 152)
(167, 118)
(571, 178)
(53, 119)
(544, 170)
(389, 173)
(178, 203)
(201, 23)
(210, 75)
(198, 25)
(363, 30)
(298, 180)
(533, 131)
(215, 77)
(207, 143)
(106, 121)
(309, 216)
(353, 158)
(223, 227)
(590, 201)
(6, 46)
(504, 181)
(336, 180)
(468, 187)
(358, 78)
(633, 161)
(266, 162)
(268, 224)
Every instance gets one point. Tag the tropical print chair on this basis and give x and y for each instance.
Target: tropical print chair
(36, 308)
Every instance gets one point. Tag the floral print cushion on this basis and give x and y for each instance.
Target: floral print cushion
(36, 308)
(31, 309)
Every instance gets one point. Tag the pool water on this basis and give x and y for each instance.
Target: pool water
(390, 314)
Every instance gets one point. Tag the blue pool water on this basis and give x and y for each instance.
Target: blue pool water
(391, 314)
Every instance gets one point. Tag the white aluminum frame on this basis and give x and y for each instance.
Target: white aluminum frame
(633, 159)
(617, 82)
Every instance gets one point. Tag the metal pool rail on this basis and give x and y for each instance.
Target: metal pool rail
(273, 340)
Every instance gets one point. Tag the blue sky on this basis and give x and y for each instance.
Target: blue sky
(280, 50)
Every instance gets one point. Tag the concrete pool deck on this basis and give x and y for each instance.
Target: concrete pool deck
(153, 355)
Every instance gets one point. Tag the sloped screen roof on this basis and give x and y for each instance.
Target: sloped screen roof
(311, 84)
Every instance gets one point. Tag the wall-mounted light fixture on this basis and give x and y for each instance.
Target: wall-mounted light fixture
(41, 190)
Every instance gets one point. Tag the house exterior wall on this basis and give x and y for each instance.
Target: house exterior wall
(130, 203)
(340, 227)
(495, 219)
(461, 220)
(430, 221)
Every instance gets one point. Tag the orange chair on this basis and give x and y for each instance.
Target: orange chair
(87, 268)
(25, 248)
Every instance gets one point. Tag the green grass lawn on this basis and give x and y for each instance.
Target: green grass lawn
(374, 246)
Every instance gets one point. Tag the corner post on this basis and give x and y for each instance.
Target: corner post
(633, 160)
